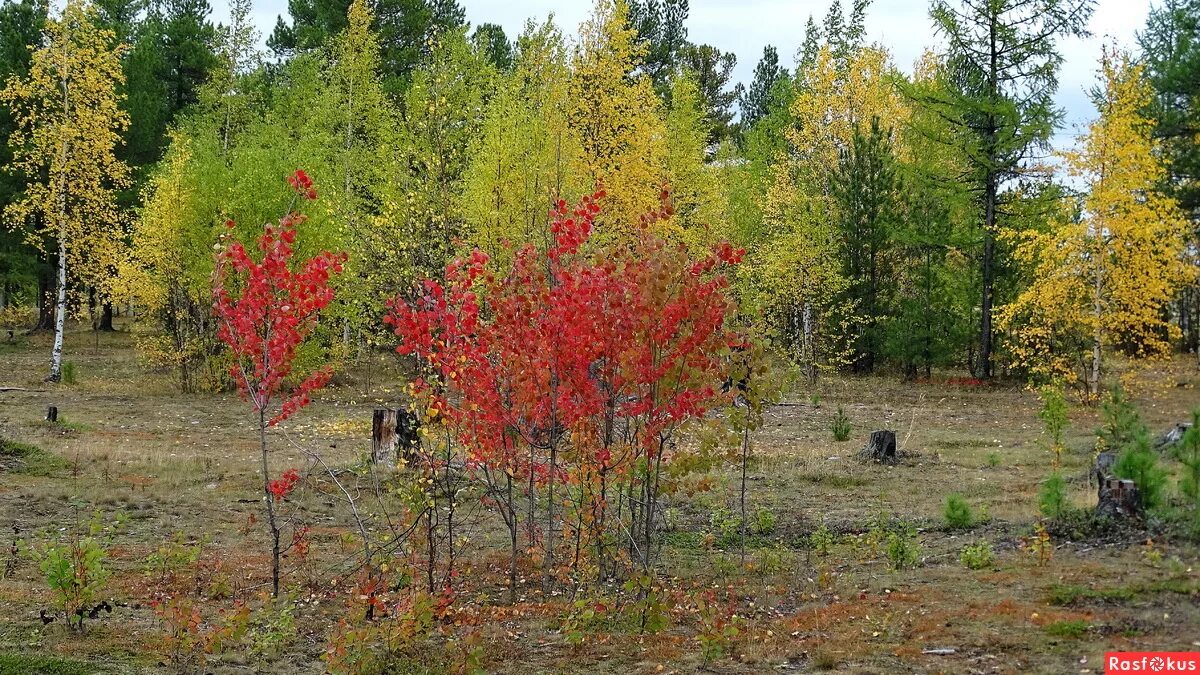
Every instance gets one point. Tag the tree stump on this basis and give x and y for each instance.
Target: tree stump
(881, 449)
(1119, 498)
(394, 433)
(52, 414)
(1171, 436)
(1103, 467)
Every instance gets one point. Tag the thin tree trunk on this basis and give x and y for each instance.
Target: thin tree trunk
(983, 367)
(742, 494)
(548, 561)
(60, 308)
(106, 318)
(266, 482)
(512, 534)
(808, 348)
(1098, 331)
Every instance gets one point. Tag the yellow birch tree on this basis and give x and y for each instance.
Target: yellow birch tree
(615, 112)
(1101, 279)
(68, 123)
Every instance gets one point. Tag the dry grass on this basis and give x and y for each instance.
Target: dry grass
(187, 463)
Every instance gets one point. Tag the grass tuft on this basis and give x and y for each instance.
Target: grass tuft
(28, 459)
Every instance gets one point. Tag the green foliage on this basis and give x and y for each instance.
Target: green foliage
(172, 559)
(74, 568)
(1171, 53)
(585, 616)
(1069, 628)
(764, 522)
(993, 459)
(12, 663)
(1003, 63)
(1139, 463)
(272, 628)
(840, 426)
(957, 513)
(651, 606)
(718, 625)
(1054, 417)
(903, 551)
(727, 525)
(864, 188)
(756, 102)
(29, 459)
(898, 539)
(977, 556)
(405, 29)
(821, 540)
(1052, 497)
(1122, 424)
(1187, 451)
(776, 559)
(68, 372)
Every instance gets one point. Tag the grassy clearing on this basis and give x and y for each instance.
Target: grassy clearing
(849, 568)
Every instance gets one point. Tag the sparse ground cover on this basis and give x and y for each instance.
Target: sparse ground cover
(849, 566)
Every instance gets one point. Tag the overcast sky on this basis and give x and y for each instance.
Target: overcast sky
(746, 26)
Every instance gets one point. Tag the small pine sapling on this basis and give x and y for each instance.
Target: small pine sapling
(1187, 451)
(1054, 417)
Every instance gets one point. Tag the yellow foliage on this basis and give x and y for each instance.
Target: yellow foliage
(615, 113)
(526, 155)
(1101, 279)
(68, 121)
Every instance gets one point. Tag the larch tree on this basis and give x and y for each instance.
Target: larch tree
(68, 125)
(1170, 48)
(526, 156)
(695, 192)
(1103, 278)
(615, 112)
(1002, 59)
(356, 123)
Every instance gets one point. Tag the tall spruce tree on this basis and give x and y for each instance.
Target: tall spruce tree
(1170, 47)
(864, 191)
(404, 29)
(756, 99)
(1003, 65)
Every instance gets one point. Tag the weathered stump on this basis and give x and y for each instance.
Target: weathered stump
(1171, 436)
(1119, 498)
(1103, 467)
(881, 448)
(394, 433)
(52, 414)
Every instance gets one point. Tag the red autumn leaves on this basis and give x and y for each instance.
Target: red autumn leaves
(283, 486)
(266, 310)
(566, 342)
(302, 184)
